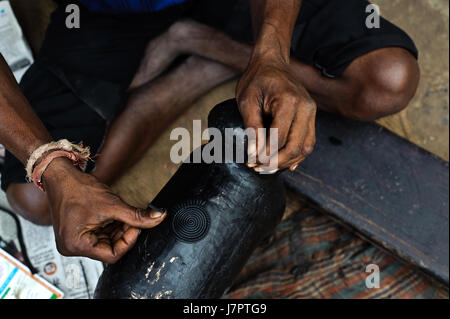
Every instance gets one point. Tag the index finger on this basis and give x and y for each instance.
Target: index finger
(252, 115)
(301, 140)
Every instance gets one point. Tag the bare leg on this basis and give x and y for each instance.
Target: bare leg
(151, 108)
(30, 203)
(190, 37)
(159, 54)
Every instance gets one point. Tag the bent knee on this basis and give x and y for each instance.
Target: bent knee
(30, 203)
(391, 78)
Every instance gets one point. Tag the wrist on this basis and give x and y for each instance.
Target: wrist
(44, 155)
(272, 43)
(57, 171)
(268, 59)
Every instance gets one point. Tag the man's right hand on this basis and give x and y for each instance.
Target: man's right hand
(88, 218)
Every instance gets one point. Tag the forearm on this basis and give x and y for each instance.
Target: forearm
(273, 24)
(21, 131)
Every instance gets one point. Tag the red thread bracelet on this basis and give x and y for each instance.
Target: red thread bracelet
(39, 169)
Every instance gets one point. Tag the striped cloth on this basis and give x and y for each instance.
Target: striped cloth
(311, 256)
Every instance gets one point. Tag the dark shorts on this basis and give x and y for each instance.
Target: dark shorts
(78, 83)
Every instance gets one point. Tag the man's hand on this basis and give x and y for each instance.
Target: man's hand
(88, 218)
(269, 90)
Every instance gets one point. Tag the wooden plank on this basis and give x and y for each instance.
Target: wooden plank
(389, 190)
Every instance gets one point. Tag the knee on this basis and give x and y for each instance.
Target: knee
(390, 82)
(30, 203)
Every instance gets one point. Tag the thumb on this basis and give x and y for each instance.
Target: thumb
(140, 218)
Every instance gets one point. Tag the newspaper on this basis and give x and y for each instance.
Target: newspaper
(13, 45)
(17, 282)
(76, 277)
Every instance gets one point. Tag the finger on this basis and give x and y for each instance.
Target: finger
(97, 248)
(252, 116)
(294, 166)
(106, 250)
(295, 160)
(102, 251)
(126, 242)
(308, 147)
(118, 232)
(283, 116)
(108, 228)
(139, 218)
(295, 147)
(112, 231)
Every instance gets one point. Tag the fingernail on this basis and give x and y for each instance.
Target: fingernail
(151, 206)
(265, 170)
(155, 215)
(251, 165)
(293, 168)
(270, 172)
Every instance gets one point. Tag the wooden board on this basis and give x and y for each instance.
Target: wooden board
(386, 188)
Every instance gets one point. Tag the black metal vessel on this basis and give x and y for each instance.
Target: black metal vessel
(217, 214)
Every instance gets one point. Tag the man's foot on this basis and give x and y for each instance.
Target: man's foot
(164, 49)
(159, 54)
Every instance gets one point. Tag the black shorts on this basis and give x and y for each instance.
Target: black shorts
(78, 83)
